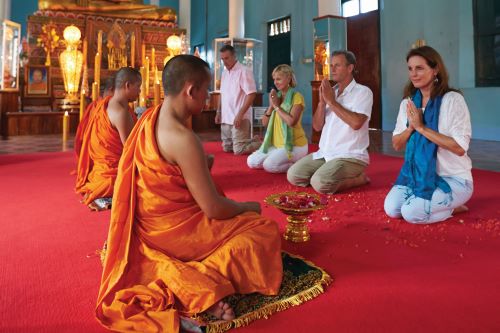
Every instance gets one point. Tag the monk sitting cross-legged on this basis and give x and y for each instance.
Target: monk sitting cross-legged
(108, 126)
(176, 247)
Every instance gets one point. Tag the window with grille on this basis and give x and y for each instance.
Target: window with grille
(487, 42)
(278, 46)
(356, 7)
(281, 26)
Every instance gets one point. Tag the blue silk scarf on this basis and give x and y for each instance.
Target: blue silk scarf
(419, 169)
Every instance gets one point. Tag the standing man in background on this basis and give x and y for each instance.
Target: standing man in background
(237, 95)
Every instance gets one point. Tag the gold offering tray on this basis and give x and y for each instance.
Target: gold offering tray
(296, 229)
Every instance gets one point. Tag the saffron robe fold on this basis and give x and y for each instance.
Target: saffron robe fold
(164, 256)
(81, 127)
(99, 155)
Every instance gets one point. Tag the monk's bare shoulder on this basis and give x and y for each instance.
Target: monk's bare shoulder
(115, 109)
(174, 139)
(120, 118)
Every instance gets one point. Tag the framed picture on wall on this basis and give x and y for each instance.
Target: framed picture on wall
(37, 78)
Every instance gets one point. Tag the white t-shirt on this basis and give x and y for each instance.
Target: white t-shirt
(454, 121)
(235, 85)
(338, 139)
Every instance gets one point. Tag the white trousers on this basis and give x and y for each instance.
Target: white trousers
(276, 159)
(401, 202)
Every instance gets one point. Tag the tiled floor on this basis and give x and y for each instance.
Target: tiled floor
(35, 143)
(484, 154)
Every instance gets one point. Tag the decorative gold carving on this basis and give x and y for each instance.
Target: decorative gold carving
(117, 51)
(49, 40)
(321, 61)
(119, 8)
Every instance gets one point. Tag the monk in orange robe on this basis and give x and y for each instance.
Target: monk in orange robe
(176, 247)
(109, 89)
(109, 125)
(37, 84)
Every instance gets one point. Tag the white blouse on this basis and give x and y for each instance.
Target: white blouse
(454, 121)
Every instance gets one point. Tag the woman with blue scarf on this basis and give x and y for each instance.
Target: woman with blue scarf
(285, 141)
(434, 124)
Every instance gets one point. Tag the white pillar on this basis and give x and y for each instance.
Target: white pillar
(236, 18)
(4, 10)
(185, 17)
(155, 2)
(329, 7)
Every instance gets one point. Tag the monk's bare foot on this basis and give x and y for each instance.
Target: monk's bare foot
(460, 209)
(93, 207)
(221, 310)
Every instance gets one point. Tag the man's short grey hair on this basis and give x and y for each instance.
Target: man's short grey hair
(227, 48)
(349, 56)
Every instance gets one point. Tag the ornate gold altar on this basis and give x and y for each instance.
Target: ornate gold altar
(130, 33)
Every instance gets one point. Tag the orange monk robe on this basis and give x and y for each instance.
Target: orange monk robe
(37, 87)
(165, 257)
(99, 155)
(81, 127)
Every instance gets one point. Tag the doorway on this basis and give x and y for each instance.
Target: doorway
(363, 38)
(278, 46)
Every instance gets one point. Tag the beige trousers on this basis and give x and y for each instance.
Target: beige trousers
(327, 177)
(237, 140)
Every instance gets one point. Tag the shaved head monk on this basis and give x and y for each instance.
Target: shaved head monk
(107, 129)
(176, 247)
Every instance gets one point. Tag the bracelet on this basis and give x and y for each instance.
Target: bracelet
(267, 115)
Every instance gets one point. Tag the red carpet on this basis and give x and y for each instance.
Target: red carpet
(389, 276)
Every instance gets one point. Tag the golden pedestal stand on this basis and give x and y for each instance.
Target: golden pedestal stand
(296, 230)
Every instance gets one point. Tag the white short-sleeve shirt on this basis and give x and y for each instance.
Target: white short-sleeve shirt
(338, 139)
(454, 121)
(235, 85)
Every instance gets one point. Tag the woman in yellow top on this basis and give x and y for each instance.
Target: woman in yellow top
(285, 141)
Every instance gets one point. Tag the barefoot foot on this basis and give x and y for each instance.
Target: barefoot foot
(221, 310)
(257, 138)
(460, 209)
(359, 180)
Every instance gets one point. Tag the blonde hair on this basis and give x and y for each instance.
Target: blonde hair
(288, 71)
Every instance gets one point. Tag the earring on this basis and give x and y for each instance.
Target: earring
(436, 80)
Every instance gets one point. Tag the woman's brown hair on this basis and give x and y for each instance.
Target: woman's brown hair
(434, 60)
